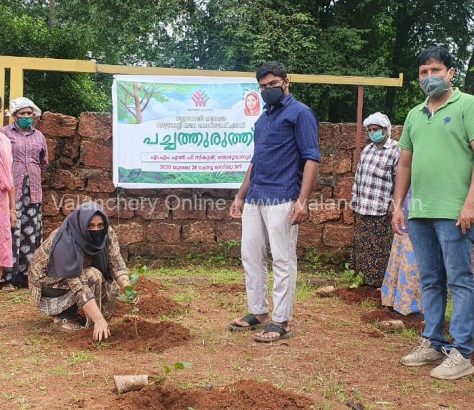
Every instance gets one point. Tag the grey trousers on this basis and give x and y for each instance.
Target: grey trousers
(264, 225)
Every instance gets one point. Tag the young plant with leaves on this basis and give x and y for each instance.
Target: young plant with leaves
(351, 278)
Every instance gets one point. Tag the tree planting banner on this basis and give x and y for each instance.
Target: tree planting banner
(179, 132)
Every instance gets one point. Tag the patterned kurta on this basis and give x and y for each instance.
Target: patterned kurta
(30, 157)
(89, 285)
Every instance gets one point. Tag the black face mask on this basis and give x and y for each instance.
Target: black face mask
(97, 236)
(272, 95)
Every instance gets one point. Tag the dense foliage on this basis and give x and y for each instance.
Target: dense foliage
(341, 37)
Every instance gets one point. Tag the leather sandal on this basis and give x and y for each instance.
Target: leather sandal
(67, 325)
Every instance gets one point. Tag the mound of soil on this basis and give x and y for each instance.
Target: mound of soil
(149, 287)
(242, 395)
(155, 337)
(358, 295)
(379, 315)
(151, 303)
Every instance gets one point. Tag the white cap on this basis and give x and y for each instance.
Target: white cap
(379, 119)
(22, 102)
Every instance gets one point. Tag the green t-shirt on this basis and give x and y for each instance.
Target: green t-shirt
(442, 159)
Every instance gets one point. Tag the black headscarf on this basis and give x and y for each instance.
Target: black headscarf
(73, 241)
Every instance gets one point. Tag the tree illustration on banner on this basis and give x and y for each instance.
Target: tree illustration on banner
(135, 97)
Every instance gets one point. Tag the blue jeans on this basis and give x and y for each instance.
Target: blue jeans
(443, 254)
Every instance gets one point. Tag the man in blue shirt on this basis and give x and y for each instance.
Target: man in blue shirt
(273, 201)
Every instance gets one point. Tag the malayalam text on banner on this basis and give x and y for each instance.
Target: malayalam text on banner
(183, 132)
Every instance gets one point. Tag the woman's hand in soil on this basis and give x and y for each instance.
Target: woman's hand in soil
(123, 281)
(101, 330)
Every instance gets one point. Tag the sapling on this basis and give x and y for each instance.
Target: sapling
(167, 369)
(125, 383)
(351, 278)
(130, 295)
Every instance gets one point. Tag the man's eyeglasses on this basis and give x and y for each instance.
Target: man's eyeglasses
(271, 84)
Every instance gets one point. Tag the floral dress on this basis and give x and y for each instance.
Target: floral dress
(91, 284)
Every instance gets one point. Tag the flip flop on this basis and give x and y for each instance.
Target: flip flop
(273, 328)
(251, 319)
(66, 325)
(9, 287)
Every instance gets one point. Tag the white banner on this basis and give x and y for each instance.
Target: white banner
(183, 132)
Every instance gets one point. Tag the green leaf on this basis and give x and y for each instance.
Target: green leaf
(182, 365)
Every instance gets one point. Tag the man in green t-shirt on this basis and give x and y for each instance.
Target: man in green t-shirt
(437, 159)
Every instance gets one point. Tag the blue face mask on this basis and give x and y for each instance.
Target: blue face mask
(377, 136)
(25, 123)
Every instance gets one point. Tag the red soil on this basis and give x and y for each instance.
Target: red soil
(228, 289)
(358, 295)
(152, 302)
(379, 315)
(155, 337)
(242, 395)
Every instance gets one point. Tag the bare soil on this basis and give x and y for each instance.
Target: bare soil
(242, 395)
(337, 356)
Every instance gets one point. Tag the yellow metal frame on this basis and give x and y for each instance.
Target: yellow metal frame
(18, 65)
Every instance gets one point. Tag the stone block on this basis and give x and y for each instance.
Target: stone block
(124, 209)
(397, 132)
(344, 188)
(324, 211)
(334, 137)
(58, 125)
(95, 155)
(95, 125)
(219, 210)
(229, 231)
(163, 232)
(153, 208)
(187, 210)
(202, 231)
(52, 145)
(50, 224)
(100, 182)
(326, 181)
(130, 232)
(337, 236)
(51, 205)
(69, 202)
(309, 235)
(348, 216)
(343, 162)
(158, 250)
(69, 151)
(65, 179)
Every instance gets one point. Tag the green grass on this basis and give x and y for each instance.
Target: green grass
(79, 357)
(186, 297)
(61, 371)
(303, 291)
(409, 334)
(368, 304)
(215, 275)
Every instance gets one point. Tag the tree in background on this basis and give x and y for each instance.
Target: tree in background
(340, 37)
